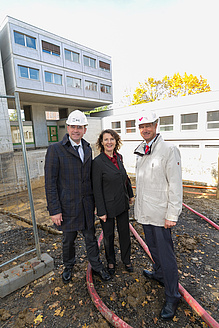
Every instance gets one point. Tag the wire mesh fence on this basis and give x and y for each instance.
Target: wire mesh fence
(19, 238)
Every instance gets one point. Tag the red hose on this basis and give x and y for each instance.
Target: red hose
(188, 298)
(202, 216)
(102, 308)
(119, 323)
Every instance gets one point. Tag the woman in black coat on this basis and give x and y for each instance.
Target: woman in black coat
(113, 194)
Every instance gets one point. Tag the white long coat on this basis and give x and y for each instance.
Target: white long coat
(158, 183)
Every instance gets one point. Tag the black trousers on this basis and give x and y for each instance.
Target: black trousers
(160, 244)
(124, 238)
(68, 247)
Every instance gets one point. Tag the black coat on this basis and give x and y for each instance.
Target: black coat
(111, 186)
(68, 185)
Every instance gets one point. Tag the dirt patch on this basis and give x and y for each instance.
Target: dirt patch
(48, 303)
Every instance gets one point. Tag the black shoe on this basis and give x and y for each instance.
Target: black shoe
(150, 275)
(103, 274)
(66, 275)
(129, 268)
(111, 270)
(168, 310)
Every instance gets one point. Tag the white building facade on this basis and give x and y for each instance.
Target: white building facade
(191, 123)
(50, 73)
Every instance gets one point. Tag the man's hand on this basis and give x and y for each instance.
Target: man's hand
(169, 224)
(103, 217)
(57, 219)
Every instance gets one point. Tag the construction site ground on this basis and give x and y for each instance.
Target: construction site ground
(48, 303)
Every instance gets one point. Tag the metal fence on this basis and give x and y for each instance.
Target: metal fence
(12, 231)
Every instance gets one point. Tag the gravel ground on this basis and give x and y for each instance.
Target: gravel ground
(48, 303)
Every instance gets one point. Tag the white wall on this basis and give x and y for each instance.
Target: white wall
(198, 164)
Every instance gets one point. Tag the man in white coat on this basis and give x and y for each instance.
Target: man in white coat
(158, 205)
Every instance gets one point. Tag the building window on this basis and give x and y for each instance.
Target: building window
(166, 123)
(105, 88)
(50, 48)
(91, 62)
(213, 119)
(104, 66)
(189, 121)
(188, 146)
(72, 56)
(90, 86)
(28, 134)
(211, 146)
(73, 82)
(53, 78)
(130, 126)
(28, 73)
(24, 40)
(116, 126)
(52, 116)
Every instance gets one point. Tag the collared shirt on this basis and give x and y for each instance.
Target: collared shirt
(80, 148)
(150, 142)
(113, 159)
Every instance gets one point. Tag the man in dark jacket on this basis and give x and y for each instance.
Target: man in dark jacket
(69, 194)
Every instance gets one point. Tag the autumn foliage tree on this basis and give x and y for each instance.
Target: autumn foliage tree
(174, 86)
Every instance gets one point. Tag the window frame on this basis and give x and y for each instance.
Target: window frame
(212, 122)
(168, 125)
(117, 129)
(92, 83)
(16, 131)
(74, 79)
(129, 129)
(105, 87)
(28, 73)
(184, 125)
(89, 62)
(25, 36)
(72, 53)
(50, 48)
(53, 75)
(105, 66)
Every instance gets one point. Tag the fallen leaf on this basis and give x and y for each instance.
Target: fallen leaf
(54, 305)
(113, 297)
(38, 319)
(29, 295)
(155, 320)
(187, 312)
(175, 319)
(58, 311)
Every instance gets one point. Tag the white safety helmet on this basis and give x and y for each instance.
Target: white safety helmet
(147, 117)
(77, 118)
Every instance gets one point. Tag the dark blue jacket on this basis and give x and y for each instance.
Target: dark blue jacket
(68, 185)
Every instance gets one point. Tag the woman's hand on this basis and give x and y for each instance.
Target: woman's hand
(131, 200)
(103, 218)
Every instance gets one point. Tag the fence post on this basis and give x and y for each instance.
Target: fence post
(17, 102)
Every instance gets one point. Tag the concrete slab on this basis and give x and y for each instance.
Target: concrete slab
(24, 273)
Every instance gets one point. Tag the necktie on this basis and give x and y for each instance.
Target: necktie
(80, 155)
(76, 148)
(146, 149)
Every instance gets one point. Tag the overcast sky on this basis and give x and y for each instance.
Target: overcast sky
(145, 38)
